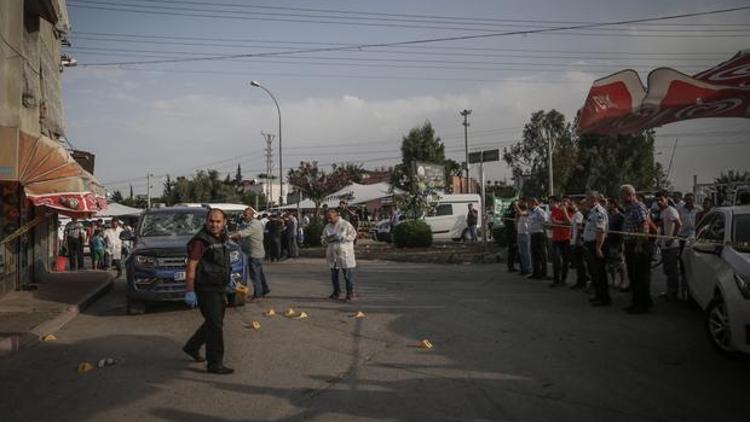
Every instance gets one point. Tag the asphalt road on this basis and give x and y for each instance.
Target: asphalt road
(505, 348)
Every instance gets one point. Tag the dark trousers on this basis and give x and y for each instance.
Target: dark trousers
(579, 260)
(292, 246)
(560, 261)
(670, 263)
(598, 270)
(512, 252)
(75, 254)
(539, 255)
(638, 263)
(275, 248)
(348, 277)
(260, 286)
(211, 333)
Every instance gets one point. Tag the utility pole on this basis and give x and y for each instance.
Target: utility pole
(269, 164)
(671, 158)
(148, 190)
(482, 204)
(465, 113)
(550, 148)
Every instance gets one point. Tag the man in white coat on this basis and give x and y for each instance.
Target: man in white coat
(113, 244)
(338, 237)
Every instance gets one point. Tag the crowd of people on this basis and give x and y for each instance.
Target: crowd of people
(609, 242)
(105, 246)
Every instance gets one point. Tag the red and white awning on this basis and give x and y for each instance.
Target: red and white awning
(52, 178)
(620, 104)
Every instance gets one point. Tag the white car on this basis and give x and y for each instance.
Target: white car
(717, 269)
(448, 218)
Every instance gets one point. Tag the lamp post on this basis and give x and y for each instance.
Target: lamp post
(257, 84)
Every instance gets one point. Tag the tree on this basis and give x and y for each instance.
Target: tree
(317, 184)
(238, 176)
(420, 144)
(354, 172)
(117, 197)
(725, 190)
(529, 158)
(131, 192)
(604, 163)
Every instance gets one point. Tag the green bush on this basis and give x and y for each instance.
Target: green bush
(412, 234)
(313, 232)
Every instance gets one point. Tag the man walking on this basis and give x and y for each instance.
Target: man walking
(637, 250)
(670, 225)
(250, 236)
(594, 234)
(560, 241)
(472, 220)
(74, 239)
(338, 236)
(206, 279)
(537, 222)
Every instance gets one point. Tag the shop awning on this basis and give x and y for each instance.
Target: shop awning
(52, 178)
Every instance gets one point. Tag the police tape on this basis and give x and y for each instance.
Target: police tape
(744, 245)
(23, 229)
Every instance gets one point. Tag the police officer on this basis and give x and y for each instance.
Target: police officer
(594, 233)
(206, 279)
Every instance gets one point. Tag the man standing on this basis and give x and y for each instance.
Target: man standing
(74, 239)
(509, 225)
(594, 234)
(113, 252)
(206, 279)
(688, 213)
(251, 242)
(472, 222)
(292, 247)
(523, 241)
(560, 241)
(338, 236)
(275, 227)
(576, 242)
(637, 250)
(670, 248)
(537, 222)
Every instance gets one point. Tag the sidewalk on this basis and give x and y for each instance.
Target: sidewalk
(26, 316)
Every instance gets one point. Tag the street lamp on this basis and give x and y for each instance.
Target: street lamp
(257, 84)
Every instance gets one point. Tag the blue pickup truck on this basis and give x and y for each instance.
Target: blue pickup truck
(155, 266)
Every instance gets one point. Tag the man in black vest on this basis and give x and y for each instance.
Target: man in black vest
(206, 279)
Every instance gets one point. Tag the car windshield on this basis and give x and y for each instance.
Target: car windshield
(185, 223)
(742, 232)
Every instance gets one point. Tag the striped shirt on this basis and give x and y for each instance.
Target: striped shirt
(635, 215)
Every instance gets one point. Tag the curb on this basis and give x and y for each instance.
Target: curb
(15, 343)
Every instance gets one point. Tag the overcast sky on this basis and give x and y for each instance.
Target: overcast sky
(356, 105)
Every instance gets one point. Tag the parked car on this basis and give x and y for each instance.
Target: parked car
(382, 230)
(717, 270)
(156, 265)
(448, 217)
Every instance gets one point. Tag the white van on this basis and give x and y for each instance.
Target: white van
(448, 217)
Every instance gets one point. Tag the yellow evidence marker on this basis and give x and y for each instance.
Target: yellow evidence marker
(425, 344)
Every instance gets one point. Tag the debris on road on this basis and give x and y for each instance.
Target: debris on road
(49, 338)
(290, 312)
(85, 367)
(425, 344)
(105, 362)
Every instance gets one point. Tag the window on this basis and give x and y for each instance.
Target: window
(716, 231)
(742, 232)
(702, 230)
(441, 210)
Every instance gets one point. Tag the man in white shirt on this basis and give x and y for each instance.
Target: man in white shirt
(537, 221)
(670, 225)
(113, 245)
(688, 216)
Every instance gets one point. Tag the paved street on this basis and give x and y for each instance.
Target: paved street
(505, 348)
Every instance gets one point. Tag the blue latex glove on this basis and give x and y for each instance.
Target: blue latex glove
(190, 299)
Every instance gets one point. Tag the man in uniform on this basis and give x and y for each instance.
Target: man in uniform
(251, 242)
(206, 279)
(594, 233)
(637, 250)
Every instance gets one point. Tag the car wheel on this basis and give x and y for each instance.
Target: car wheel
(136, 307)
(717, 325)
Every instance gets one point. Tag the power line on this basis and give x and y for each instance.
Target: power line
(429, 40)
(160, 8)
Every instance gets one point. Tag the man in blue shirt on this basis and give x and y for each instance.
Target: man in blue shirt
(637, 250)
(537, 221)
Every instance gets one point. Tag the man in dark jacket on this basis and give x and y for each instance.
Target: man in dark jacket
(206, 279)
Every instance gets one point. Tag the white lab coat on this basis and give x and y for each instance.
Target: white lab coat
(113, 242)
(340, 254)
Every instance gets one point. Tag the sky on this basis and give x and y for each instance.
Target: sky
(356, 105)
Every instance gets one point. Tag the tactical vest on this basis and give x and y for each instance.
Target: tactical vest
(214, 266)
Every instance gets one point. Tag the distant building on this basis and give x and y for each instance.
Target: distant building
(459, 185)
(382, 175)
(268, 188)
